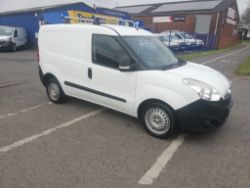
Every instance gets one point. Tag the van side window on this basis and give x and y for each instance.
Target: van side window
(15, 33)
(107, 51)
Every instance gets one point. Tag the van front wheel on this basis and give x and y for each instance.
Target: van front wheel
(159, 120)
(54, 91)
(13, 48)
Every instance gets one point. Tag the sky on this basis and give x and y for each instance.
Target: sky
(111, 3)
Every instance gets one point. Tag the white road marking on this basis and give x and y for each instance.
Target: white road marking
(166, 156)
(227, 55)
(23, 111)
(8, 115)
(241, 78)
(31, 108)
(161, 162)
(15, 83)
(48, 131)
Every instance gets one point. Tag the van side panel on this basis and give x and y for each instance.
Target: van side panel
(63, 54)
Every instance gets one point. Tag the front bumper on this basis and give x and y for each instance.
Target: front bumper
(199, 45)
(204, 116)
(5, 45)
(175, 48)
(191, 46)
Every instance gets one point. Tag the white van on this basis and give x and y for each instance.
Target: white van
(131, 71)
(12, 38)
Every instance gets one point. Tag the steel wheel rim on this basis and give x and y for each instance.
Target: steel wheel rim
(54, 91)
(157, 121)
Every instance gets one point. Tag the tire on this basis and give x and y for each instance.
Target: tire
(54, 91)
(13, 48)
(25, 46)
(159, 120)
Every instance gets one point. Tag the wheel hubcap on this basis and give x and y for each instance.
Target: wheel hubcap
(54, 91)
(157, 120)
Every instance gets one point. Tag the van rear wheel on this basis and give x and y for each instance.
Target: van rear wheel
(54, 91)
(159, 120)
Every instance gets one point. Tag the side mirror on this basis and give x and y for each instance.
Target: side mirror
(127, 64)
(15, 34)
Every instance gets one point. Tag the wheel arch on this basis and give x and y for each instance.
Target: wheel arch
(47, 76)
(147, 101)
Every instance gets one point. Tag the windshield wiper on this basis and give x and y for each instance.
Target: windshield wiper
(181, 62)
(171, 66)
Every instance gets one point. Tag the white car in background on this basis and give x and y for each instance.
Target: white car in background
(191, 43)
(190, 39)
(12, 38)
(169, 41)
(181, 42)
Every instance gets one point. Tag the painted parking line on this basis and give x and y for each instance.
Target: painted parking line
(241, 78)
(48, 131)
(23, 111)
(227, 55)
(155, 170)
(15, 83)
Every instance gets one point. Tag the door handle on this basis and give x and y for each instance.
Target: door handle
(90, 73)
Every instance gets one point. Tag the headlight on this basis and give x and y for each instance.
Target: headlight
(204, 91)
(8, 40)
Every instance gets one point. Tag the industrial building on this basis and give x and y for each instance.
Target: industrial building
(213, 21)
(32, 17)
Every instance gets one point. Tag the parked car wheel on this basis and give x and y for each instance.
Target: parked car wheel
(54, 91)
(159, 119)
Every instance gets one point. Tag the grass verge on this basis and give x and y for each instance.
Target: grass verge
(244, 68)
(194, 55)
(246, 41)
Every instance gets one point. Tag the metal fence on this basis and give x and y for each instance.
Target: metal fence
(208, 39)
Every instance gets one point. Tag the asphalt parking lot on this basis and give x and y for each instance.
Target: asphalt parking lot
(78, 144)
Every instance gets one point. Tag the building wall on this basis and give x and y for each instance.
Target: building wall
(31, 20)
(188, 25)
(111, 12)
(220, 36)
(55, 16)
(228, 35)
(27, 20)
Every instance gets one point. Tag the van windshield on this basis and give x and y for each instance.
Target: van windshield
(152, 52)
(6, 31)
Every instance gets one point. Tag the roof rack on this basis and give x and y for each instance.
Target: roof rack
(81, 20)
(99, 21)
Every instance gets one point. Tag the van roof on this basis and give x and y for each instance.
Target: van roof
(122, 30)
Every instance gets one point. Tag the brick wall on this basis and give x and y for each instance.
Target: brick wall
(228, 36)
(188, 25)
(226, 33)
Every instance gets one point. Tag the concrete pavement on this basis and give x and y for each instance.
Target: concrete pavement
(111, 149)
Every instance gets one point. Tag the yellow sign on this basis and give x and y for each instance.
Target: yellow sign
(79, 16)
